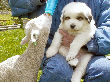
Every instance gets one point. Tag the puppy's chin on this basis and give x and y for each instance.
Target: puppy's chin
(75, 30)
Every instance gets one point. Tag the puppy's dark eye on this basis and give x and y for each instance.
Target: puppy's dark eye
(79, 18)
(67, 18)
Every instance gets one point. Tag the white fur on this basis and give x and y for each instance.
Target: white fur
(78, 15)
(24, 68)
(33, 28)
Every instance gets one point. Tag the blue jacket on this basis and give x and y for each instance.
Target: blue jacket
(100, 44)
(26, 8)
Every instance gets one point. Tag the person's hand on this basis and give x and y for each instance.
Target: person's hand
(67, 38)
(47, 14)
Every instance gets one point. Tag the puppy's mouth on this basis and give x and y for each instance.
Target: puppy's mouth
(74, 29)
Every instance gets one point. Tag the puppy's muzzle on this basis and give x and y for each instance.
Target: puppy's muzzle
(72, 26)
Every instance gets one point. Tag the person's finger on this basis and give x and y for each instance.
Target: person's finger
(64, 33)
(65, 44)
(68, 39)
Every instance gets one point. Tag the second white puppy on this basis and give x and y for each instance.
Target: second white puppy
(77, 20)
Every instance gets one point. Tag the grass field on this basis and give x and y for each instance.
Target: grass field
(10, 43)
(6, 17)
(10, 39)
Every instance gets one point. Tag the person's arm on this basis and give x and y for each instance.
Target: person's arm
(100, 44)
(50, 6)
(22, 7)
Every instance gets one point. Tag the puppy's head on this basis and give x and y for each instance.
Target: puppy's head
(75, 16)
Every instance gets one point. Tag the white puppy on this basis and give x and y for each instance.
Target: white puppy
(77, 20)
(34, 26)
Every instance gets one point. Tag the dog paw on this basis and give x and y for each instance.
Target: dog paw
(34, 35)
(70, 57)
(73, 62)
(50, 52)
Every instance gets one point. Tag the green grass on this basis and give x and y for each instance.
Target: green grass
(10, 39)
(6, 17)
(39, 74)
(10, 43)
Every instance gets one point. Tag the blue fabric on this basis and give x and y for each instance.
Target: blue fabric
(98, 70)
(56, 69)
(22, 7)
(101, 42)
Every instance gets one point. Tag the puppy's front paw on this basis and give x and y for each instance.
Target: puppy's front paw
(73, 62)
(50, 52)
(70, 57)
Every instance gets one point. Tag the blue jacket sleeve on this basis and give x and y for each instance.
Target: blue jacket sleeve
(21, 7)
(100, 44)
(50, 6)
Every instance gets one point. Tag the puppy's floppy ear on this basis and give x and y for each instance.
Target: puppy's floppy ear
(89, 18)
(62, 16)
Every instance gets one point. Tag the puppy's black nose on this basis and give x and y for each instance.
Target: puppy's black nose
(72, 26)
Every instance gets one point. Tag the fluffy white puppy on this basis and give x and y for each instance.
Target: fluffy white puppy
(34, 26)
(77, 20)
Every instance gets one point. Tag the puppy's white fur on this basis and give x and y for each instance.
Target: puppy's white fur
(34, 26)
(77, 20)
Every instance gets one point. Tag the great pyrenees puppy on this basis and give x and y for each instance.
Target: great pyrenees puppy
(77, 20)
